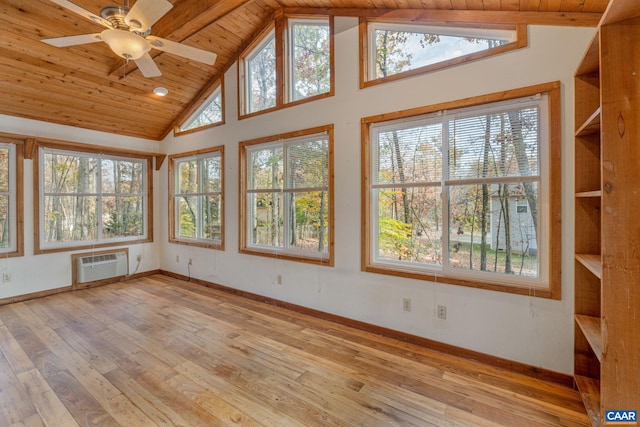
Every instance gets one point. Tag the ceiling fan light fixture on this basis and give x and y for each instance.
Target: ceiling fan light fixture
(161, 91)
(125, 44)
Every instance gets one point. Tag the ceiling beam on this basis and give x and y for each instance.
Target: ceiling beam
(573, 19)
(209, 88)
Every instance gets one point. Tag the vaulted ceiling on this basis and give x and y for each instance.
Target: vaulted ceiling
(88, 86)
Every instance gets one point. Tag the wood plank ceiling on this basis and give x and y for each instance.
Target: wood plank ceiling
(88, 86)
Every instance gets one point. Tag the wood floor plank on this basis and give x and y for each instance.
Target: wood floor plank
(16, 406)
(45, 400)
(156, 351)
(15, 356)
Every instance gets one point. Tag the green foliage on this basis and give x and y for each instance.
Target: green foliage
(395, 237)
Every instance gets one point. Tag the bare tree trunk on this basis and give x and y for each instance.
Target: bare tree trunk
(405, 202)
(81, 216)
(321, 231)
(484, 226)
(515, 121)
(292, 220)
(504, 200)
(275, 205)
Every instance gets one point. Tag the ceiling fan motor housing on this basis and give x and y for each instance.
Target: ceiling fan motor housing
(115, 15)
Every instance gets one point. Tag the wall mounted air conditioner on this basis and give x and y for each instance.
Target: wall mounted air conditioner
(104, 266)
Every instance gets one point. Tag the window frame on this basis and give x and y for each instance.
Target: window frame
(16, 200)
(367, 46)
(102, 152)
(173, 182)
(218, 85)
(245, 210)
(280, 28)
(549, 286)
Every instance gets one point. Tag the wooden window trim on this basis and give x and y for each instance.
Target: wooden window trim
(365, 50)
(202, 243)
(242, 199)
(280, 27)
(553, 290)
(19, 196)
(219, 83)
(98, 150)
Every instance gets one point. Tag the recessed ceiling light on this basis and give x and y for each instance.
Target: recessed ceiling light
(161, 91)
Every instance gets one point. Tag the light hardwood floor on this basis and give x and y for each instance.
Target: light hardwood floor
(160, 351)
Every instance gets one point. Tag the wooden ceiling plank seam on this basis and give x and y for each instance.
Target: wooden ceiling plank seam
(530, 5)
(92, 112)
(112, 95)
(550, 5)
(510, 5)
(25, 110)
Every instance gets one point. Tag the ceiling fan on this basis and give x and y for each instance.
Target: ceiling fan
(128, 34)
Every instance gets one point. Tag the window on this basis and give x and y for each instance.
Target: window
(287, 196)
(261, 75)
(210, 113)
(395, 50)
(196, 200)
(310, 62)
(91, 199)
(463, 195)
(287, 66)
(10, 199)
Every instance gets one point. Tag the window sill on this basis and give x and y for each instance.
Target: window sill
(534, 291)
(328, 261)
(39, 251)
(217, 245)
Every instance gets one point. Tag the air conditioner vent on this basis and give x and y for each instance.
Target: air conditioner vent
(91, 268)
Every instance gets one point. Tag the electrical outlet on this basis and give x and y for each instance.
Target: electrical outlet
(6, 277)
(139, 258)
(177, 258)
(279, 279)
(406, 304)
(190, 261)
(442, 312)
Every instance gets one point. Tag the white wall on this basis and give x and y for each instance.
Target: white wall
(34, 273)
(535, 331)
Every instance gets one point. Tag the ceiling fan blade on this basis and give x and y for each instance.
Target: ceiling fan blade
(146, 13)
(82, 12)
(183, 50)
(147, 67)
(73, 40)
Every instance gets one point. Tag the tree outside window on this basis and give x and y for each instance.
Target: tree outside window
(459, 193)
(291, 63)
(197, 200)
(395, 50)
(89, 198)
(8, 204)
(210, 113)
(287, 200)
(310, 58)
(261, 76)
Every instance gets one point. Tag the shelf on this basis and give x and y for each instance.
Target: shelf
(589, 389)
(591, 125)
(590, 62)
(590, 327)
(586, 194)
(592, 262)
